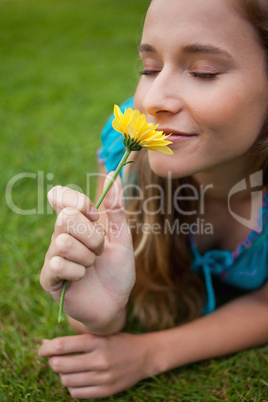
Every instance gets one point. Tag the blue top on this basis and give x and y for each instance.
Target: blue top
(246, 267)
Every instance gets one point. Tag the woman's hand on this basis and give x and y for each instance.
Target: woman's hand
(99, 264)
(101, 366)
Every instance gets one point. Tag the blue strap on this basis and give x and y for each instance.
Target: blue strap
(211, 263)
(210, 304)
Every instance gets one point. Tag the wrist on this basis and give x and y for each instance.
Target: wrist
(108, 328)
(156, 358)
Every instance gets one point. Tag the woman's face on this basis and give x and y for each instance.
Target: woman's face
(204, 80)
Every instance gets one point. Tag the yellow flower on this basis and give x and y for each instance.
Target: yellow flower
(138, 133)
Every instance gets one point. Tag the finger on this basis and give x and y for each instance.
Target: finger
(73, 222)
(98, 391)
(114, 203)
(61, 197)
(67, 345)
(57, 269)
(84, 379)
(74, 363)
(68, 247)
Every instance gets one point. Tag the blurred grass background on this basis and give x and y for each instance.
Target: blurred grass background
(63, 64)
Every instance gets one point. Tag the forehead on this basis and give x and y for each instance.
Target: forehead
(178, 21)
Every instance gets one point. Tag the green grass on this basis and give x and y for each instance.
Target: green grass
(63, 64)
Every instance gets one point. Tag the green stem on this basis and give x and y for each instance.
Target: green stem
(119, 167)
(61, 315)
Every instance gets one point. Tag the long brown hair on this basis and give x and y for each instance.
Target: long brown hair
(166, 292)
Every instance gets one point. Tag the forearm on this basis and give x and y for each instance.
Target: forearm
(238, 325)
(115, 326)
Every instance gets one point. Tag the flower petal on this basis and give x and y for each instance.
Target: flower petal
(163, 150)
(133, 125)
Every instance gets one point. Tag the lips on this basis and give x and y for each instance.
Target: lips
(168, 131)
(176, 136)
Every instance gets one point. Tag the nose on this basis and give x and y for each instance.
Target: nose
(163, 94)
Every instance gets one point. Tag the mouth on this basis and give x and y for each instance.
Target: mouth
(177, 136)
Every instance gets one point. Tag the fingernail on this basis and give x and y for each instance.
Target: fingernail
(93, 213)
(93, 209)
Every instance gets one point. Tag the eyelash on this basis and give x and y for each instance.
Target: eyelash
(205, 76)
(148, 72)
(201, 76)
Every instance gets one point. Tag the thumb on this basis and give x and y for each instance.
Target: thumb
(114, 204)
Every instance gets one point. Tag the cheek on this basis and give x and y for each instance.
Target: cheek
(238, 115)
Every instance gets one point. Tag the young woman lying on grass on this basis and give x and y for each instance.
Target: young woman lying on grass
(205, 81)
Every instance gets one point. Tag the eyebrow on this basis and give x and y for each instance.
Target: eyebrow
(145, 47)
(198, 48)
(190, 49)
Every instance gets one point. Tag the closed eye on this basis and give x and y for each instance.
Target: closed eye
(149, 72)
(204, 76)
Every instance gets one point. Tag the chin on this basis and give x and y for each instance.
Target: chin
(158, 171)
(164, 166)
